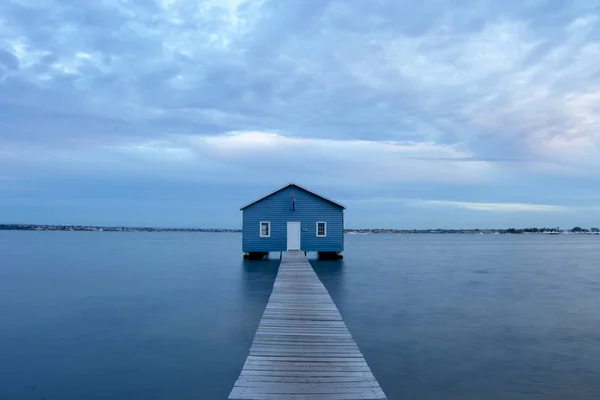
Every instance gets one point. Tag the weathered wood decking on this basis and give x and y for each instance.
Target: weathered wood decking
(302, 348)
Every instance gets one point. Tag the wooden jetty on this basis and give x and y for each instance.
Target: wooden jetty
(302, 348)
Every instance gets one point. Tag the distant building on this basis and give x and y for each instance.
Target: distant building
(293, 218)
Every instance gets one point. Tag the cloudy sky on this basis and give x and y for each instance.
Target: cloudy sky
(439, 113)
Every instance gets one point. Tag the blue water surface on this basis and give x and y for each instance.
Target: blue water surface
(108, 315)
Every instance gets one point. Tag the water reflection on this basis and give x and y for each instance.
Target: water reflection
(258, 277)
(327, 267)
(331, 273)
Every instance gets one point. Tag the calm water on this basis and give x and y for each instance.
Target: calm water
(162, 316)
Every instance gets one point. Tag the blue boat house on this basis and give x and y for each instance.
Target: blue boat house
(293, 218)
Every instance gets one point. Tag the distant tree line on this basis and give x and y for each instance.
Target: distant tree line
(30, 227)
(15, 227)
(576, 229)
(531, 230)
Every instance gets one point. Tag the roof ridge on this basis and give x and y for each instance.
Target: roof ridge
(298, 186)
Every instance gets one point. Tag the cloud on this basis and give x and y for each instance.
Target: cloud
(487, 97)
(494, 78)
(256, 155)
(504, 88)
(495, 207)
(447, 73)
(8, 62)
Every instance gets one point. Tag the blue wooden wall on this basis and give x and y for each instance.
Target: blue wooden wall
(277, 209)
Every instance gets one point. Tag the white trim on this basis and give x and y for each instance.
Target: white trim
(298, 186)
(317, 230)
(260, 228)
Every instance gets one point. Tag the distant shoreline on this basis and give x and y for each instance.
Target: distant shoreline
(92, 228)
(511, 231)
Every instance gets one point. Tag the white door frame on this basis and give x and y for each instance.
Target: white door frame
(296, 226)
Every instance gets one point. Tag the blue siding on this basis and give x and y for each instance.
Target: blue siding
(277, 210)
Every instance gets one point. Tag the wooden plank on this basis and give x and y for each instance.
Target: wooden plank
(302, 348)
(324, 390)
(260, 361)
(296, 386)
(301, 379)
(304, 359)
(358, 375)
(279, 396)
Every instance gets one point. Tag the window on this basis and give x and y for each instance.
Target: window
(265, 229)
(321, 229)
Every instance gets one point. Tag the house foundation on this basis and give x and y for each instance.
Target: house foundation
(330, 255)
(255, 255)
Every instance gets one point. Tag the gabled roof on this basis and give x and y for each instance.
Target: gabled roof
(298, 186)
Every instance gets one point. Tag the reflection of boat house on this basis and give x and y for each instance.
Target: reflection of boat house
(293, 218)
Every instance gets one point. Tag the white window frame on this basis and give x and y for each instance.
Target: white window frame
(260, 228)
(317, 230)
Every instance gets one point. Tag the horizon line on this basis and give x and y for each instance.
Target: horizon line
(239, 229)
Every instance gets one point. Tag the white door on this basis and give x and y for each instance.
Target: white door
(293, 235)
